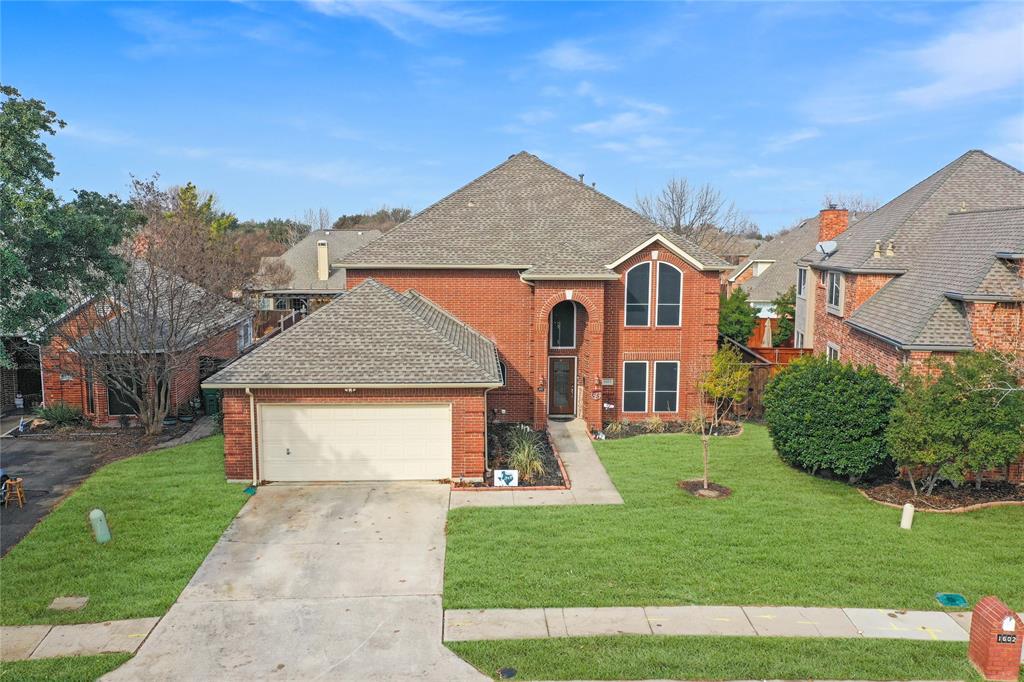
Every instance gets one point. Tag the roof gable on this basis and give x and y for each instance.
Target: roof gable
(301, 259)
(523, 214)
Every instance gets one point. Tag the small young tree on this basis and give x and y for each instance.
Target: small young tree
(945, 426)
(736, 318)
(785, 307)
(724, 384)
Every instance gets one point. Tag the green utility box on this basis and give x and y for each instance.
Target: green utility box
(211, 400)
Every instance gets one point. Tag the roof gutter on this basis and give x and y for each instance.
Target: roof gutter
(248, 385)
(851, 271)
(989, 298)
(935, 348)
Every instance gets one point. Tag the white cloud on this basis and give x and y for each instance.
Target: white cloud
(404, 19)
(101, 136)
(1009, 144)
(781, 142)
(569, 55)
(617, 124)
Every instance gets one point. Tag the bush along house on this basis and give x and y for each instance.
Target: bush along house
(524, 295)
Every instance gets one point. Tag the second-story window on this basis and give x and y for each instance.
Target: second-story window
(801, 282)
(835, 290)
(563, 325)
(638, 295)
(670, 295)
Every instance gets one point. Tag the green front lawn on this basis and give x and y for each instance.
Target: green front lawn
(782, 538)
(719, 658)
(166, 509)
(68, 669)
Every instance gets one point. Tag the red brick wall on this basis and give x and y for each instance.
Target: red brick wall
(832, 222)
(997, 326)
(468, 421)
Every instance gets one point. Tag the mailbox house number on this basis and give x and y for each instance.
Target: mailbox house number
(1006, 639)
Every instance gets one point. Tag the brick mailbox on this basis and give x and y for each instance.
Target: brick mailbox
(996, 636)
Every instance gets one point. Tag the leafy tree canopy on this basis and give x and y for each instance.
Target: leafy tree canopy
(785, 307)
(48, 247)
(736, 318)
(383, 219)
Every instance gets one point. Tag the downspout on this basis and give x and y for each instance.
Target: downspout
(252, 432)
(487, 433)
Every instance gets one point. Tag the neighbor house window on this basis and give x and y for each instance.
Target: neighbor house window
(799, 339)
(563, 325)
(833, 351)
(245, 336)
(801, 282)
(666, 386)
(670, 295)
(634, 387)
(638, 295)
(835, 291)
(504, 372)
(90, 391)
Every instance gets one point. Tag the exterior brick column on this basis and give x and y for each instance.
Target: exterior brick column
(996, 635)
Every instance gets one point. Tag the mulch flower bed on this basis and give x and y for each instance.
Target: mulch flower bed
(712, 492)
(945, 496)
(498, 460)
(628, 429)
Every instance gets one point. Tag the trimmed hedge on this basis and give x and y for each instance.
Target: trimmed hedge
(827, 415)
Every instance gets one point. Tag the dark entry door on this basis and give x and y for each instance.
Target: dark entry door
(562, 384)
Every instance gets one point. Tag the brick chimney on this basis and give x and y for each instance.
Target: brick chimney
(832, 222)
(323, 267)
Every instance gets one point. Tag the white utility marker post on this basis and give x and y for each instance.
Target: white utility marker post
(907, 520)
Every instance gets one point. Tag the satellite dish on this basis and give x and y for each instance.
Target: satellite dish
(827, 248)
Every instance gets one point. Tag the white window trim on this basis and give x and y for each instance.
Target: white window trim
(654, 393)
(801, 291)
(575, 383)
(829, 349)
(799, 338)
(551, 327)
(647, 385)
(625, 295)
(657, 290)
(829, 307)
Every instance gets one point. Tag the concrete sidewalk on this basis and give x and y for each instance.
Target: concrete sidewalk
(21, 642)
(740, 621)
(588, 480)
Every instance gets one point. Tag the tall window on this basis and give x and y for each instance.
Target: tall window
(563, 325)
(835, 286)
(503, 368)
(670, 295)
(634, 387)
(801, 282)
(832, 352)
(638, 295)
(666, 386)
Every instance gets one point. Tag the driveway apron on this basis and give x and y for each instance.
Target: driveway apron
(333, 582)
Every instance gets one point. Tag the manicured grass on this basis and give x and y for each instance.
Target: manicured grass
(166, 509)
(719, 658)
(782, 538)
(69, 669)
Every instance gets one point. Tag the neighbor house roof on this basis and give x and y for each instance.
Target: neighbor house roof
(972, 182)
(370, 336)
(301, 260)
(527, 215)
(782, 253)
(968, 257)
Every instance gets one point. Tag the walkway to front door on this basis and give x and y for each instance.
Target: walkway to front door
(562, 385)
(332, 582)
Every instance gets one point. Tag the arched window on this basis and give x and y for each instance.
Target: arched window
(563, 325)
(670, 295)
(503, 368)
(638, 295)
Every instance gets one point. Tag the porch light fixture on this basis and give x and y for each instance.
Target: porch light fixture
(350, 390)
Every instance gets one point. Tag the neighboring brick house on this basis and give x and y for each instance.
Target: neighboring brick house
(934, 272)
(771, 270)
(66, 378)
(592, 312)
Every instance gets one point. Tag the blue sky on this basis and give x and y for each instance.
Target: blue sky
(280, 107)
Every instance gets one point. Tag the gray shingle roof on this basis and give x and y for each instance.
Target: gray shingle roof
(975, 181)
(301, 259)
(370, 336)
(523, 214)
(922, 307)
(784, 250)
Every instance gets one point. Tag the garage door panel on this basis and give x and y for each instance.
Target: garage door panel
(352, 443)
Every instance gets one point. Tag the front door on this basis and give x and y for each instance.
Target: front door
(562, 384)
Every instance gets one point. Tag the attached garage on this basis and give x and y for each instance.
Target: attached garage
(374, 386)
(355, 442)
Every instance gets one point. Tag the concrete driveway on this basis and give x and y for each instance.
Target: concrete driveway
(334, 582)
(51, 470)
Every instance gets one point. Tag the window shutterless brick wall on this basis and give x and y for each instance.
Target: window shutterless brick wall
(468, 420)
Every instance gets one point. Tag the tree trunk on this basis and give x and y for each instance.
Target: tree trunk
(913, 485)
(705, 445)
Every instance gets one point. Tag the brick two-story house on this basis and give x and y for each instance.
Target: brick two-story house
(933, 272)
(523, 295)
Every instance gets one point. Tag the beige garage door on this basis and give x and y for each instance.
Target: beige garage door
(355, 442)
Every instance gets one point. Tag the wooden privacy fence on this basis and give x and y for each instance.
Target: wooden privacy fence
(764, 362)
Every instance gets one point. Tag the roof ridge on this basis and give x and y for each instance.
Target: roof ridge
(953, 214)
(404, 301)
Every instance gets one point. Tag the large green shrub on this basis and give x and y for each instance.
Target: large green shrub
(828, 415)
(60, 414)
(736, 319)
(964, 420)
(525, 452)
